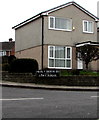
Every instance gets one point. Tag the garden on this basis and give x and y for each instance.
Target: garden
(24, 71)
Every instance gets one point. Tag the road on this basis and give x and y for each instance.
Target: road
(36, 103)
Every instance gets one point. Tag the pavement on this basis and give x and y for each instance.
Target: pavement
(50, 87)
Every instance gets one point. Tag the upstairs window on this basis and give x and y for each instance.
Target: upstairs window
(60, 23)
(88, 26)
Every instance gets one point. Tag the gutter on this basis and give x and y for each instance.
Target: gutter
(26, 21)
(29, 20)
(87, 43)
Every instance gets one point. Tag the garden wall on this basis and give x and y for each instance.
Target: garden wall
(67, 80)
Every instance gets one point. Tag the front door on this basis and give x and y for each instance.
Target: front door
(79, 64)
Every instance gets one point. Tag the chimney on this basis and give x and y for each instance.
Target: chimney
(10, 39)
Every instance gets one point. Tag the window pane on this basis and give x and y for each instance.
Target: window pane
(59, 63)
(85, 26)
(68, 63)
(90, 27)
(69, 24)
(61, 23)
(68, 52)
(51, 62)
(51, 22)
(51, 51)
(58, 23)
(59, 52)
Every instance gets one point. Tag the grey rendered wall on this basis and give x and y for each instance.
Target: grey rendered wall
(69, 38)
(98, 11)
(35, 53)
(28, 36)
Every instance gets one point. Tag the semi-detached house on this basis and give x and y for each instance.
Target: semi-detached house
(51, 36)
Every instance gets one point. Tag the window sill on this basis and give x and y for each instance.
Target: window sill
(60, 67)
(88, 32)
(60, 30)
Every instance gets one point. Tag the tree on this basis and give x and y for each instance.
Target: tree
(88, 53)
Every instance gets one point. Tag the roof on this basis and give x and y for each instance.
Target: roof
(53, 10)
(7, 45)
(87, 43)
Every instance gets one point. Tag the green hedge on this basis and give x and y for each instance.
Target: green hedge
(11, 58)
(78, 72)
(4, 59)
(24, 66)
(89, 73)
(5, 67)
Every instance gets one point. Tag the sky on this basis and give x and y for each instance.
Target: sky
(13, 12)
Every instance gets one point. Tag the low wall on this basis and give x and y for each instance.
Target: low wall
(67, 80)
(18, 77)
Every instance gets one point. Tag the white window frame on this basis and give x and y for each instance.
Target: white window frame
(88, 26)
(53, 58)
(59, 28)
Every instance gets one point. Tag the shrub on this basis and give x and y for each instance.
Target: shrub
(89, 73)
(4, 59)
(70, 72)
(75, 72)
(65, 73)
(5, 67)
(11, 58)
(24, 66)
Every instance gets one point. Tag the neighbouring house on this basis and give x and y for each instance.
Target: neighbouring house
(7, 48)
(51, 36)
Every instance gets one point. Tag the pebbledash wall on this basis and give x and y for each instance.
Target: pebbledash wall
(29, 36)
(35, 52)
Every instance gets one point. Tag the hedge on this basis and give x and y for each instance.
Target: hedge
(11, 58)
(78, 72)
(24, 66)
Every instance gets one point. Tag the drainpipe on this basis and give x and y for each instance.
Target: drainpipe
(98, 13)
(42, 40)
(42, 58)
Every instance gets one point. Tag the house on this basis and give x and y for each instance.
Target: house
(51, 36)
(7, 48)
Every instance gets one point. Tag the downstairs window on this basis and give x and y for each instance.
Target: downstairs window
(59, 57)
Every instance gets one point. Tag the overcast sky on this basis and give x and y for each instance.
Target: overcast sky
(13, 12)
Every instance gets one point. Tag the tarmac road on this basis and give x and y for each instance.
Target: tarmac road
(37, 103)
